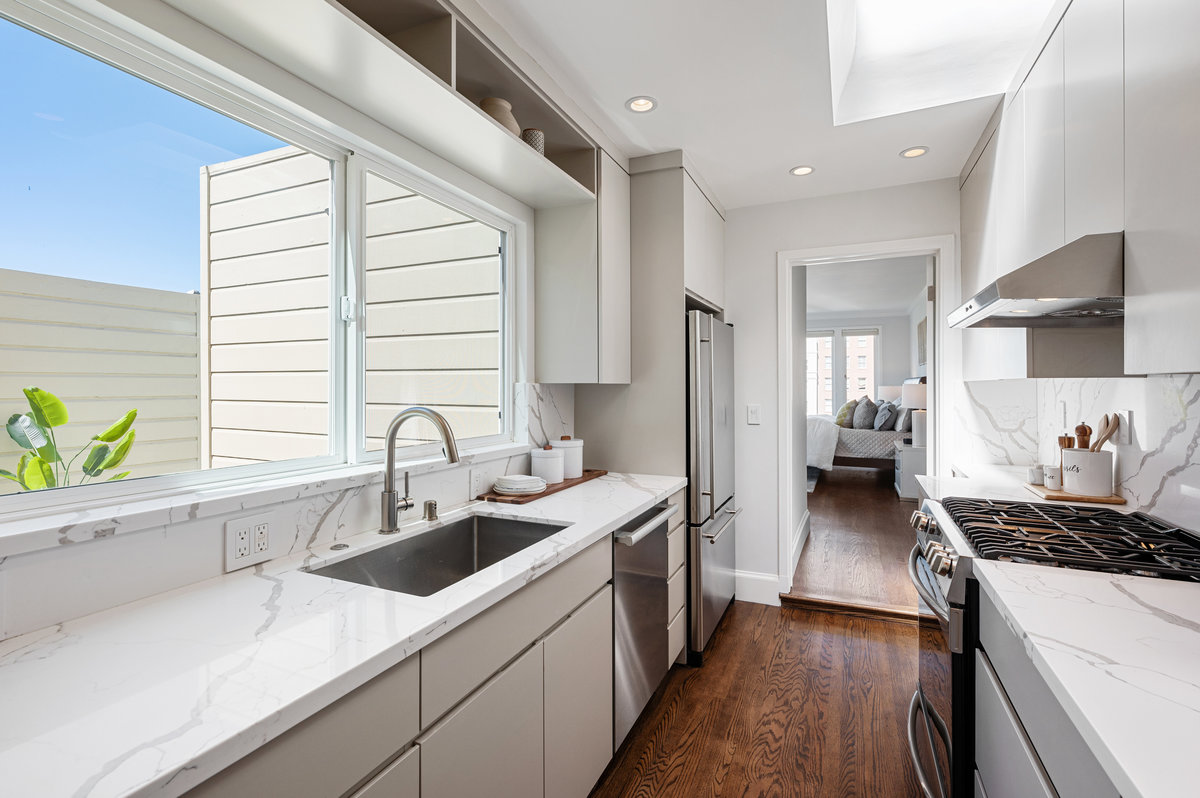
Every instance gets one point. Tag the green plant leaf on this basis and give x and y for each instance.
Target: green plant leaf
(122, 475)
(26, 432)
(119, 452)
(48, 409)
(93, 464)
(118, 429)
(38, 475)
(23, 464)
(12, 476)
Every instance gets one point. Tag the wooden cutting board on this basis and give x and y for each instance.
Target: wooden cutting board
(1063, 496)
(500, 498)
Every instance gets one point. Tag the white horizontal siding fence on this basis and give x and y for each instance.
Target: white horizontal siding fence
(265, 280)
(103, 349)
(433, 316)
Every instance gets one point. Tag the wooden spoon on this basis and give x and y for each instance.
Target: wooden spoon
(1110, 429)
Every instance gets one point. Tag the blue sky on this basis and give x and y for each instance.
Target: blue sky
(99, 176)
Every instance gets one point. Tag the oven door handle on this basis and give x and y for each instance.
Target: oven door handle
(917, 707)
(926, 595)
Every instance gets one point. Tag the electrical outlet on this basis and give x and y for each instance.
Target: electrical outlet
(1124, 436)
(247, 541)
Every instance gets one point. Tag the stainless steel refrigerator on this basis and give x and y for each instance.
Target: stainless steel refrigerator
(712, 560)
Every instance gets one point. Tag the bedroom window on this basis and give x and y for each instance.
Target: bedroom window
(856, 355)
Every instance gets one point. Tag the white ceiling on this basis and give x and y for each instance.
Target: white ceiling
(889, 57)
(883, 287)
(744, 88)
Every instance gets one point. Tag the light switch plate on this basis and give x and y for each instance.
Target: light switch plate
(753, 414)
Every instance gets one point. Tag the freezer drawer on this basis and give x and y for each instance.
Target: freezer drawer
(713, 571)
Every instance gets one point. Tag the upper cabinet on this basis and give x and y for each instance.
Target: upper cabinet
(703, 246)
(1162, 203)
(1043, 167)
(1094, 112)
(581, 284)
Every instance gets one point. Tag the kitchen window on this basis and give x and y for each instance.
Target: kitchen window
(187, 293)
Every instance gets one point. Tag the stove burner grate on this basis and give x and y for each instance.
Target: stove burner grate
(1087, 538)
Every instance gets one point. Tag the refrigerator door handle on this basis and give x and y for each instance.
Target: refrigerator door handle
(712, 419)
(712, 538)
(694, 427)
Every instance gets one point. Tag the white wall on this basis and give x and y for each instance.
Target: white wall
(754, 236)
(896, 356)
(918, 310)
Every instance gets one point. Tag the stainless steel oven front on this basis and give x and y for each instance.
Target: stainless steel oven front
(941, 711)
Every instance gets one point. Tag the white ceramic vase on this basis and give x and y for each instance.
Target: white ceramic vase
(501, 111)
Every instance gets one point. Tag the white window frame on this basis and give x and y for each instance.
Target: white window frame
(841, 352)
(71, 27)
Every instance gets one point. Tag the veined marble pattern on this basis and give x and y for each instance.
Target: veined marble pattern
(153, 697)
(551, 411)
(997, 422)
(1122, 656)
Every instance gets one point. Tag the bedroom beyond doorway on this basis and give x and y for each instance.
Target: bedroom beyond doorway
(865, 361)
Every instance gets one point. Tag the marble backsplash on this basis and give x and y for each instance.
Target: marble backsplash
(1018, 422)
(103, 563)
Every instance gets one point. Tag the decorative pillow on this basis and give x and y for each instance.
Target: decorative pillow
(845, 416)
(864, 414)
(885, 418)
(903, 419)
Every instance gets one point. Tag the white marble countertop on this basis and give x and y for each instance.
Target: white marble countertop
(1122, 655)
(154, 697)
(995, 485)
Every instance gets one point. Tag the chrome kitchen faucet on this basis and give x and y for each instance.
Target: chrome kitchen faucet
(391, 504)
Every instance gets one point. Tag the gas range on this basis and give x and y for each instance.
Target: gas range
(955, 532)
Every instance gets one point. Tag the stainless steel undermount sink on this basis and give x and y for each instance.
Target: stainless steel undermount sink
(430, 561)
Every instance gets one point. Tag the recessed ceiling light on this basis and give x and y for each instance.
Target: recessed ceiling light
(1018, 310)
(914, 152)
(641, 104)
(801, 171)
(1047, 299)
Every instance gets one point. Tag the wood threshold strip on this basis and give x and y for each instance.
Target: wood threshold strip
(884, 613)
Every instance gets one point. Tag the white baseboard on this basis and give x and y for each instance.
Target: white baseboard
(758, 588)
(799, 538)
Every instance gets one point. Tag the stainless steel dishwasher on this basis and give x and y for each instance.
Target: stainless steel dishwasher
(639, 615)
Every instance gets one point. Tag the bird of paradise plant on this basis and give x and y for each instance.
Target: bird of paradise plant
(42, 466)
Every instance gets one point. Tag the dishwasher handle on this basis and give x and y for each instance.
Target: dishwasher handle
(634, 536)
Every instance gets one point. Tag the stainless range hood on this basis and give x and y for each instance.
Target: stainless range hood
(1081, 284)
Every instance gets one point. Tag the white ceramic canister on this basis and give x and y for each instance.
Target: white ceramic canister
(1035, 475)
(572, 450)
(1052, 476)
(547, 464)
(1087, 473)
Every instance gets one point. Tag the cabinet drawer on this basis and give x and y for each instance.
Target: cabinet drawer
(401, 779)
(1071, 764)
(1008, 765)
(676, 592)
(464, 659)
(679, 499)
(676, 637)
(367, 727)
(676, 549)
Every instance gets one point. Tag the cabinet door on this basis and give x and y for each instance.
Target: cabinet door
(579, 699)
(703, 246)
(1094, 110)
(401, 779)
(614, 272)
(1010, 181)
(1044, 164)
(978, 213)
(492, 743)
(1162, 204)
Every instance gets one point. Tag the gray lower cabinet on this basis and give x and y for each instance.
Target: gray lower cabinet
(578, 695)
(492, 743)
(401, 779)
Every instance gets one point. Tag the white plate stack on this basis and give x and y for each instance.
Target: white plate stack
(519, 485)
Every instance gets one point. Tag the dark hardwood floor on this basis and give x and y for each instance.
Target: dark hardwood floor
(856, 555)
(790, 702)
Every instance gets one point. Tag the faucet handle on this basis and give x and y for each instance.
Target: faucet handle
(405, 502)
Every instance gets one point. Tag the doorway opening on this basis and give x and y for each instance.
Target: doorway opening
(860, 367)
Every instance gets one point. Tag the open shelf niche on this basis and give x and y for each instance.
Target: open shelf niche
(431, 35)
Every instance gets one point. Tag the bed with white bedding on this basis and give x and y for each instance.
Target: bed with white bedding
(830, 445)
